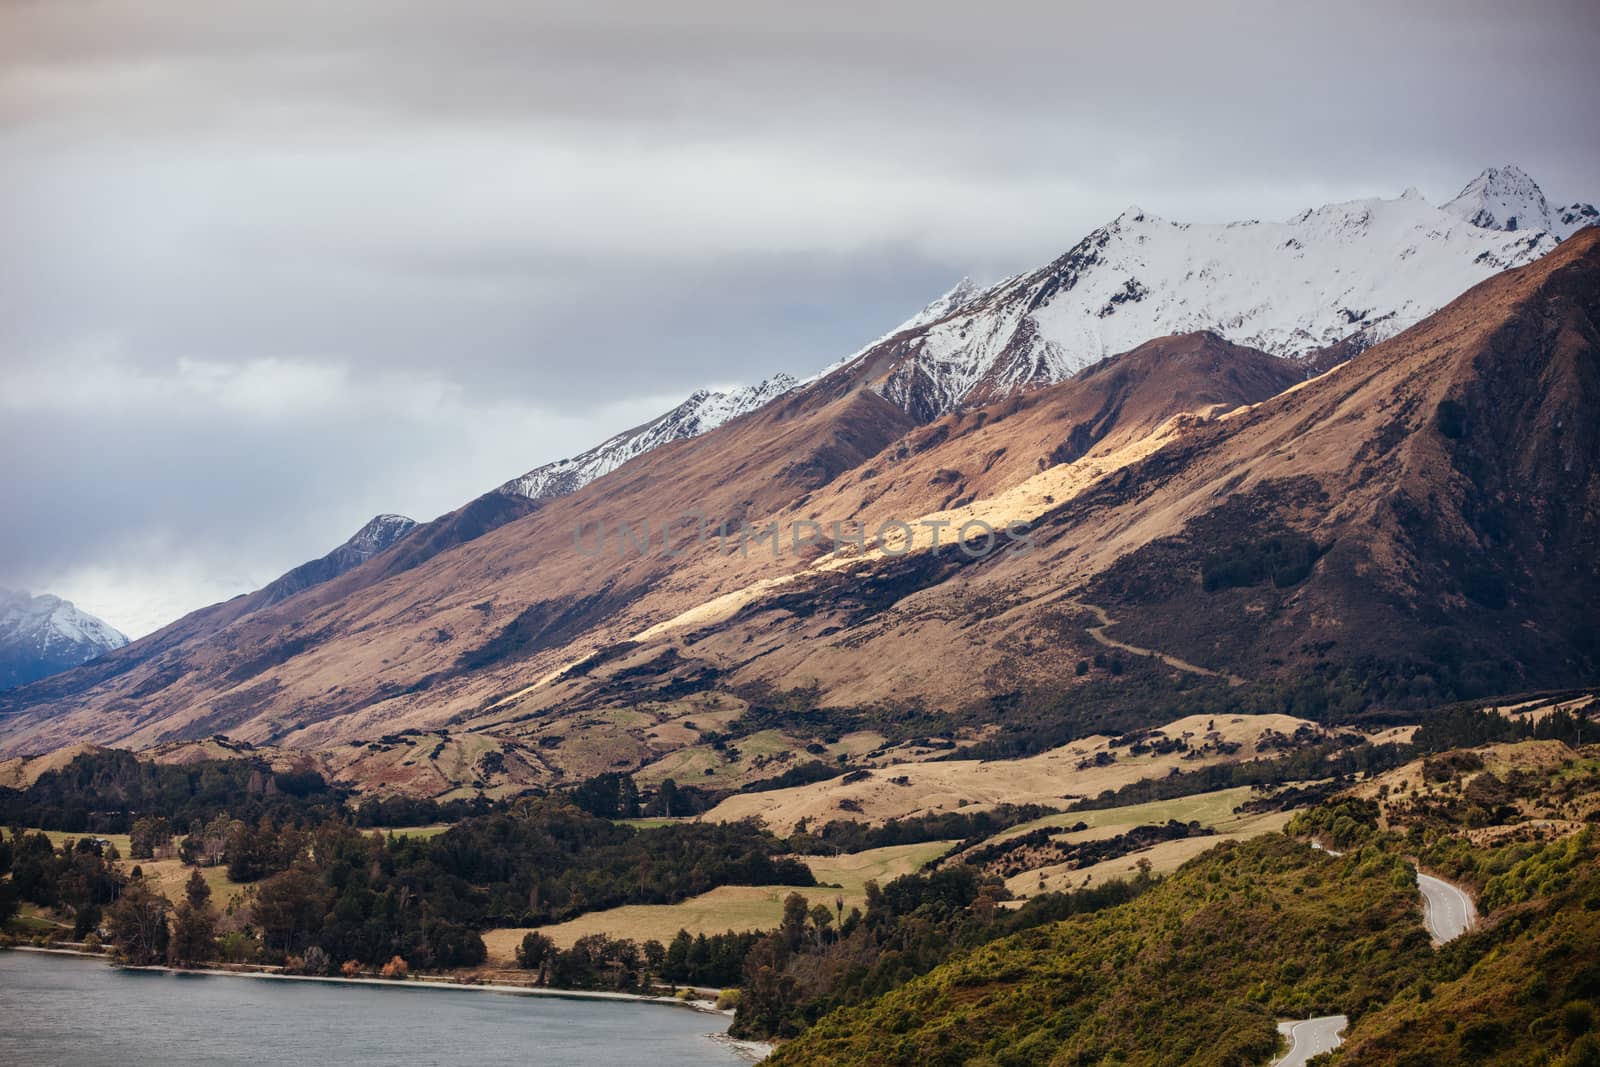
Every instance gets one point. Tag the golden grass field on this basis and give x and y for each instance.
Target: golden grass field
(1052, 778)
(731, 907)
(171, 876)
(20, 772)
(1163, 858)
(1213, 809)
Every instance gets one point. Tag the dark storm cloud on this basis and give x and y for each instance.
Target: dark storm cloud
(323, 259)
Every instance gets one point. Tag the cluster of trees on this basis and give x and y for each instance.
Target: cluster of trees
(349, 896)
(547, 862)
(614, 795)
(1470, 725)
(601, 962)
(1335, 759)
(107, 791)
(608, 796)
(593, 962)
(328, 894)
(80, 879)
(112, 791)
(1286, 560)
(150, 838)
(415, 811)
(848, 835)
(821, 959)
(717, 960)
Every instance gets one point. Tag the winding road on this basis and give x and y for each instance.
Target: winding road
(1446, 909)
(1447, 912)
(1311, 1037)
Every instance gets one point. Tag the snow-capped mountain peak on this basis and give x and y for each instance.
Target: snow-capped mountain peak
(1359, 270)
(959, 294)
(1502, 198)
(41, 635)
(378, 534)
(1505, 198)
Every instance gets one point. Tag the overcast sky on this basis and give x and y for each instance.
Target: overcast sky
(267, 269)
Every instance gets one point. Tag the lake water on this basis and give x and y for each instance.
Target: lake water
(69, 1010)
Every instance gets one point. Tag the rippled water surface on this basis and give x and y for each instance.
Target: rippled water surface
(69, 1010)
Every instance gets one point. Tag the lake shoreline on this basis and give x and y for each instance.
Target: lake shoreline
(757, 1051)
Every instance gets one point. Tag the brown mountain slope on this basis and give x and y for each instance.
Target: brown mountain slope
(397, 644)
(980, 452)
(479, 619)
(1424, 517)
(334, 576)
(1421, 522)
(1451, 479)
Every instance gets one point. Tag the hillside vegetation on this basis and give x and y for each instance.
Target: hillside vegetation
(1198, 969)
(1267, 929)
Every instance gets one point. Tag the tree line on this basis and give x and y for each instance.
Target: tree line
(327, 893)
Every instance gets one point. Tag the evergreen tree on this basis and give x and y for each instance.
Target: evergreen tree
(138, 924)
(194, 926)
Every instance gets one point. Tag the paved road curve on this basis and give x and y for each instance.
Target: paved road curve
(1447, 911)
(1311, 1037)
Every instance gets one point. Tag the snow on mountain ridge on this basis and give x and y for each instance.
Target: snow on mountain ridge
(379, 533)
(1574, 217)
(1358, 271)
(704, 410)
(1502, 198)
(957, 297)
(1362, 270)
(40, 635)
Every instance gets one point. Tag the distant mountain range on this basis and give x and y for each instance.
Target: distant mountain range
(1157, 403)
(41, 635)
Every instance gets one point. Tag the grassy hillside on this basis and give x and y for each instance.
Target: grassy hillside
(1195, 971)
(1522, 992)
